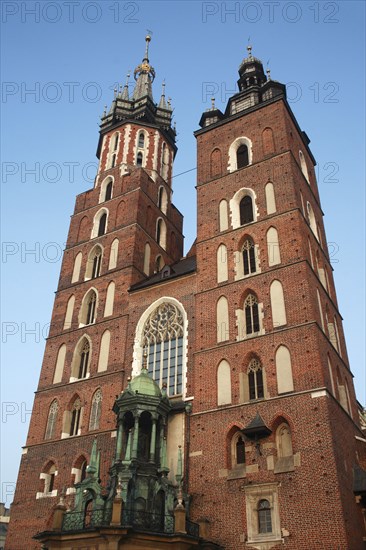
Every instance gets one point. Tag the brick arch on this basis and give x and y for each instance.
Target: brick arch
(216, 163)
(268, 141)
(242, 240)
(245, 294)
(230, 434)
(83, 234)
(120, 213)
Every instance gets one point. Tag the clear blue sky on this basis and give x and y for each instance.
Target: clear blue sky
(71, 57)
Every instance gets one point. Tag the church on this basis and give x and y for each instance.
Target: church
(201, 401)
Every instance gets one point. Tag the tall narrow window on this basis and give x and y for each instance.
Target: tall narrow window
(304, 168)
(76, 270)
(246, 210)
(104, 351)
(251, 311)
(223, 383)
(75, 418)
(84, 360)
(96, 410)
(270, 198)
(94, 263)
(223, 216)
(264, 517)
(163, 340)
(141, 140)
(90, 308)
(161, 233)
(273, 247)
(222, 267)
(102, 224)
(240, 450)
(147, 255)
(51, 421)
(69, 313)
(255, 380)
(222, 319)
(113, 256)
(242, 156)
(60, 364)
(249, 262)
(108, 191)
(139, 159)
(277, 304)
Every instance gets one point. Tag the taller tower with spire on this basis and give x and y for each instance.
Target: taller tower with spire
(227, 369)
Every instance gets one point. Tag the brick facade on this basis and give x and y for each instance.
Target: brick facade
(316, 503)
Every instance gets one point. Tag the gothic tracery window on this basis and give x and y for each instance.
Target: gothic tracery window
(75, 418)
(84, 360)
(249, 262)
(51, 421)
(96, 410)
(163, 339)
(255, 380)
(251, 311)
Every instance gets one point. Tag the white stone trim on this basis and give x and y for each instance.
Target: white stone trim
(137, 348)
(232, 163)
(103, 186)
(234, 207)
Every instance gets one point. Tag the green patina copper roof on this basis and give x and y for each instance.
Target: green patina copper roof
(145, 385)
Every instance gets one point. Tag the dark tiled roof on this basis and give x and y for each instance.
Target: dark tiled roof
(184, 267)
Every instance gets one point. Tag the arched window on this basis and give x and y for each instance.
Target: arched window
(222, 319)
(242, 156)
(147, 255)
(60, 364)
(102, 224)
(104, 351)
(113, 150)
(273, 247)
(48, 475)
(251, 311)
(69, 313)
(277, 304)
(249, 260)
(139, 158)
(141, 140)
(83, 360)
(108, 191)
(223, 216)
(270, 198)
(264, 517)
(163, 340)
(284, 441)
(215, 163)
(222, 267)
(255, 380)
(77, 265)
(223, 383)
(75, 418)
(94, 263)
(246, 210)
(96, 410)
(268, 141)
(304, 168)
(51, 420)
(164, 161)
(240, 450)
(312, 221)
(284, 370)
(88, 308)
(113, 256)
(162, 199)
(161, 233)
(109, 301)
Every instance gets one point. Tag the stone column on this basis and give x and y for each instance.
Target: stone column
(135, 438)
(153, 441)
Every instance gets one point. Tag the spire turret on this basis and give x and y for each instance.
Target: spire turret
(144, 75)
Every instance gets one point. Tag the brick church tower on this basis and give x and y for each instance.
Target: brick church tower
(255, 429)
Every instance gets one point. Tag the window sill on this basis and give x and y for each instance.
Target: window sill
(238, 472)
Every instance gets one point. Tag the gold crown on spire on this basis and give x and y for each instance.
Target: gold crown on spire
(145, 67)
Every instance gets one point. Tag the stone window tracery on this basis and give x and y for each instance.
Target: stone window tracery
(163, 339)
(255, 380)
(96, 410)
(51, 421)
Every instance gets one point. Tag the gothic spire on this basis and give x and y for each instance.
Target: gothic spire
(162, 102)
(144, 75)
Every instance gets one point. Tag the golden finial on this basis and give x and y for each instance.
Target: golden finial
(148, 40)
